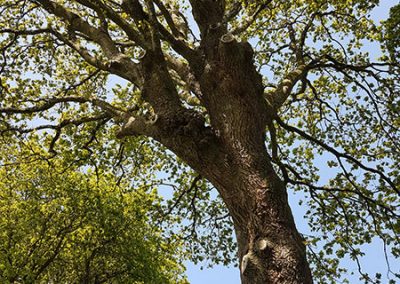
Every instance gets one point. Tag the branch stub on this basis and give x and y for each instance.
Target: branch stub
(142, 54)
(228, 38)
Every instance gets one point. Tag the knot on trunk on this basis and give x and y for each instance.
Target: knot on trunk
(215, 26)
(187, 123)
(141, 54)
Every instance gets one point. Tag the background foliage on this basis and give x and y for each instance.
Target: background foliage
(68, 224)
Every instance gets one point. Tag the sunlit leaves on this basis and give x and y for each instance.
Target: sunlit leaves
(353, 110)
(391, 33)
(64, 224)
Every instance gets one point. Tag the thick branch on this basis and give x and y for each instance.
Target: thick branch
(207, 13)
(278, 97)
(120, 21)
(168, 18)
(77, 23)
(116, 63)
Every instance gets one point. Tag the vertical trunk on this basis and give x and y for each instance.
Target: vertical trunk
(270, 248)
(231, 154)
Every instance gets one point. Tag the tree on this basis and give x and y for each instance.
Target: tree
(69, 226)
(249, 94)
(392, 37)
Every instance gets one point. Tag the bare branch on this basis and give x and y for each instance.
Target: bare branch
(154, 32)
(25, 32)
(117, 19)
(168, 18)
(77, 23)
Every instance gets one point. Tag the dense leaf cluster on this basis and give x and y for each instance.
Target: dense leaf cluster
(74, 225)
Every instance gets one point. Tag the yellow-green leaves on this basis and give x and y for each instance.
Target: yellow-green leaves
(70, 225)
(391, 35)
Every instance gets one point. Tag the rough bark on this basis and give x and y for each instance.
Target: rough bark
(231, 154)
(270, 248)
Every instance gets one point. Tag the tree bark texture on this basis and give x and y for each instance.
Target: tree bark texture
(231, 154)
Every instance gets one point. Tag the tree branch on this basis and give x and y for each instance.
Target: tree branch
(117, 62)
(282, 91)
(77, 23)
(120, 21)
(50, 102)
(248, 21)
(337, 153)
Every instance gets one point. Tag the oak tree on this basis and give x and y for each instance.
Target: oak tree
(256, 97)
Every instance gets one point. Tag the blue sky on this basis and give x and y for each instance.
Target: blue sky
(373, 261)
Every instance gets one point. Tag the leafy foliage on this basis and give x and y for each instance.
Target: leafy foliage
(70, 225)
(334, 135)
(391, 33)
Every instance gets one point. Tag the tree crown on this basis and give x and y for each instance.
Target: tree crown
(331, 107)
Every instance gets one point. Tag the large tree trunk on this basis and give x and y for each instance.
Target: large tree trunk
(270, 248)
(231, 154)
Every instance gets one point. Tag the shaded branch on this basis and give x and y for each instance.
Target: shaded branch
(207, 13)
(117, 19)
(168, 18)
(51, 102)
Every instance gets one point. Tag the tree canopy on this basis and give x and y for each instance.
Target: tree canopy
(300, 92)
(62, 225)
